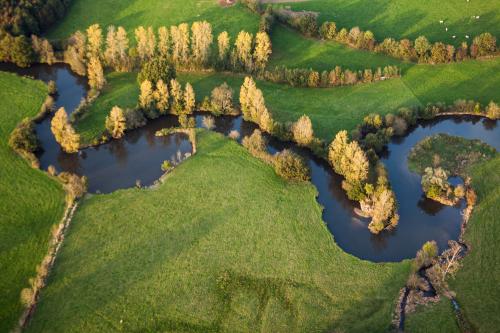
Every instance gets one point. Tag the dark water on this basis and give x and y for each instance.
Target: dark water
(118, 164)
(115, 165)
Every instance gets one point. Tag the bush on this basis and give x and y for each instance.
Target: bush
(155, 70)
(165, 166)
(23, 137)
(493, 111)
(328, 30)
(255, 143)
(186, 122)
(134, 118)
(74, 185)
(291, 166)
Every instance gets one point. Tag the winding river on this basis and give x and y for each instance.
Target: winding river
(138, 156)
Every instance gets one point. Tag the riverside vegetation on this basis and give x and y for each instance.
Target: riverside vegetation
(358, 120)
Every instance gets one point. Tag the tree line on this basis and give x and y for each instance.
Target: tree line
(420, 49)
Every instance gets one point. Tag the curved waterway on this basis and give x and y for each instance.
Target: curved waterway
(138, 156)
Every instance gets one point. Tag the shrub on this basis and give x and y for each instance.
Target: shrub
(399, 126)
(186, 122)
(291, 166)
(27, 296)
(302, 131)
(484, 44)
(74, 185)
(165, 166)
(134, 118)
(52, 170)
(493, 111)
(255, 143)
(23, 137)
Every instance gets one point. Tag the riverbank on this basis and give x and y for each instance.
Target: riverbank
(30, 202)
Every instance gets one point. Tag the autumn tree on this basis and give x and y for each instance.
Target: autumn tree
(302, 131)
(223, 46)
(180, 43)
(253, 106)
(163, 42)
(43, 50)
(201, 40)
(262, 49)
(64, 133)
(95, 74)
(146, 42)
(146, 97)
(116, 123)
(222, 99)
(422, 48)
(122, 44)
(94, 40)
(484, 44)
(189, 99)
(177, 97)
(75, 53)
(242, 53)
(384, 206)
(161, 97)
(111, 52)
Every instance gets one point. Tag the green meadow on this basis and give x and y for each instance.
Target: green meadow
(410, 18)
(30, 202)
(223, 245)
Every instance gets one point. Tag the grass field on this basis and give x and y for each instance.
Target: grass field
(30, 202)
(133, 13)
(330, 109)
(294, 50)
(477, 284)
(123, 90)
(410, 18)
(223, 245)
(433, 318)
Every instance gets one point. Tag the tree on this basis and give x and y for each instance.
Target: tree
(243, 50)
(123, 62)
(75, 53)
(189, 99)
(163, 42)
(223, 45)
(262, 49)
(328, 30)
(422, 47)
(161, 96)
(64, 133)
(291, 166)
(180, 43)
(493, 110)
(484, 44)
(146, 96)
(222, 99)
(255, 143)
(156, 69)
(337, 149)
(302, 131)
(177, 97)
(111, 54)
(95, 74)
(201, 40)
(94, 39)
(43, 49)
(384, 206)
(439, 53)
(116, 123)
(146, 42)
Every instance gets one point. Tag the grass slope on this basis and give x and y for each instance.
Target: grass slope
(477, 283)
(223, 245)
(410, 18)
(30, 202)
(432, 318)
(133, 13)
(294, 50)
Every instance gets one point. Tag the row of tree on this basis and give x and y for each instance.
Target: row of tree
(420, 50)
(301, 77)
(185, 47)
